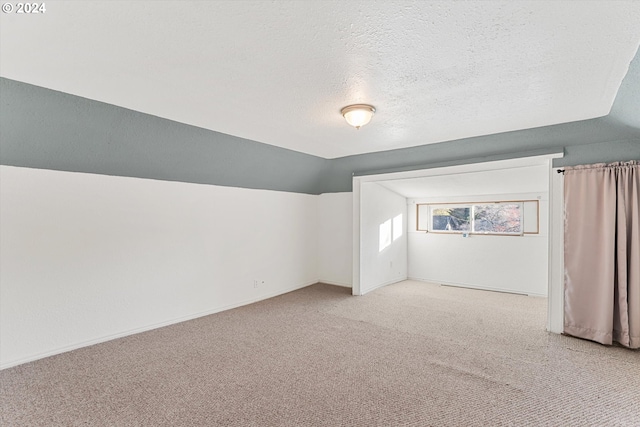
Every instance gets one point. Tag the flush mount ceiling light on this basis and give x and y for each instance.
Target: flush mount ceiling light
(358, 114)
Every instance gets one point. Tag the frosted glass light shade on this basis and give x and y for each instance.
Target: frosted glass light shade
(358, 115)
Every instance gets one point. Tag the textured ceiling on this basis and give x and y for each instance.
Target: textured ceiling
(279, 72)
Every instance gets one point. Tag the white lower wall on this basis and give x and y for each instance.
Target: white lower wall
(379, 267)
(85, 258)
(335, 238)
(508, 264)
(504, 263)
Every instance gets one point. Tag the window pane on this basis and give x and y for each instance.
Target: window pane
(497, 218)
(451, 219)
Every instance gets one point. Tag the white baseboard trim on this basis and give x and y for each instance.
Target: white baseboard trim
(331, 282)
(106, 338)
(381, 285)
(473, 286)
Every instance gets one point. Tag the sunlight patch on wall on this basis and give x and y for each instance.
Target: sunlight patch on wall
(385, 235)
(388, 229)
(397, 227)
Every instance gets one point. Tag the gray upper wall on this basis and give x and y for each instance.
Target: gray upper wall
(585, 142)
(42, 128)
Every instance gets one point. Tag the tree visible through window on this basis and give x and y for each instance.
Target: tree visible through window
(487, 218)
(451, 219)
(499, 218)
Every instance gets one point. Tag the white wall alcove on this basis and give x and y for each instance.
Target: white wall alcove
(379, 198)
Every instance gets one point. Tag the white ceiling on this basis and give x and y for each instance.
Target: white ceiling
(279, 72)
(528, 179)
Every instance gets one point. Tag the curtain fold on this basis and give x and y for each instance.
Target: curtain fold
(602, 252)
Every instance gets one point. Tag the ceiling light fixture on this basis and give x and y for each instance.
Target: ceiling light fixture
(358, 114)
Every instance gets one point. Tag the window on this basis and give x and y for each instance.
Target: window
(450, 219)
(498, 218)
(506, 218)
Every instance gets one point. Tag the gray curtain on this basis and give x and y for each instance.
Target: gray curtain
(602, 252)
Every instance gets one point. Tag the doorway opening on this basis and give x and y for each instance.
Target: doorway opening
(394, 241)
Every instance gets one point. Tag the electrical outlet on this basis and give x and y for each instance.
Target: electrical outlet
(255, 283)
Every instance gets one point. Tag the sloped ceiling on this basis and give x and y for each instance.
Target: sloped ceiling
(279, 72)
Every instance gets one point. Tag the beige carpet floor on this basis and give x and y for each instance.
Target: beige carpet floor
(409, 354)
